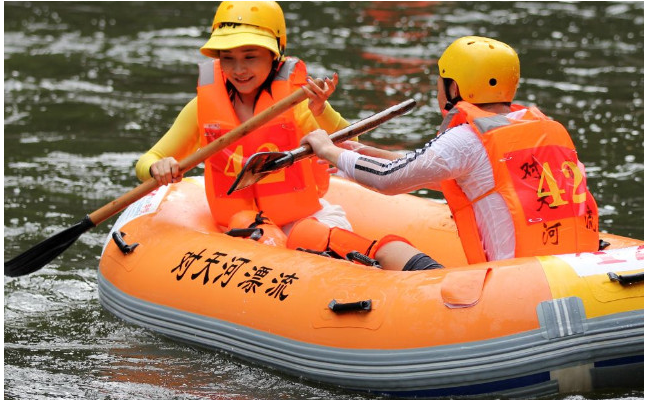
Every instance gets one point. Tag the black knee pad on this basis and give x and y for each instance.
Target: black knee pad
(421, 262)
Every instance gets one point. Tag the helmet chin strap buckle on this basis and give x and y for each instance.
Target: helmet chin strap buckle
(450, 103)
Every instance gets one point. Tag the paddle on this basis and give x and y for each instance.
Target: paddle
(260, 165)
(42, 253)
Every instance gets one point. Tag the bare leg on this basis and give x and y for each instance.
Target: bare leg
(394, 255)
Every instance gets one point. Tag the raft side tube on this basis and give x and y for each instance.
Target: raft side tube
(516, 364)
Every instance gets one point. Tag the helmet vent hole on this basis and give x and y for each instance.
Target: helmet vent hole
(229, 7)
(254, 9)
(492, 82)
(491, 47)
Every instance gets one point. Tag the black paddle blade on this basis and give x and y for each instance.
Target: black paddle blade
(41, 254)
(255, 169)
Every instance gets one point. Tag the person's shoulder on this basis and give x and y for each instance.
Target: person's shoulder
(293, 68)
(517, 114)
(461, 130)
(461, 138)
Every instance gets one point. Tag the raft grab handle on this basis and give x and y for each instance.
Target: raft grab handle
(125, 248)
(362, 305)
(625, 279)
(251, 233)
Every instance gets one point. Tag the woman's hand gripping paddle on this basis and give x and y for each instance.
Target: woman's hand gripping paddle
(42, 253)
(260, 165)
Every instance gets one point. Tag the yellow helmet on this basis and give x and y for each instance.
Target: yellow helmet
(262, 24)
(486, 70)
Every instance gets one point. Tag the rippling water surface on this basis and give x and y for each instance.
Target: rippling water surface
(88, 87)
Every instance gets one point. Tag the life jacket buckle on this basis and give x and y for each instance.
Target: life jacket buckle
(325, 253)
(362, 259)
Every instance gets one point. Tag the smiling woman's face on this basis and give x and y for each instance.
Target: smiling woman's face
(246, 67)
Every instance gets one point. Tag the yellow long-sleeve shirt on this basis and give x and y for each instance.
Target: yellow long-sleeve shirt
(182, 139)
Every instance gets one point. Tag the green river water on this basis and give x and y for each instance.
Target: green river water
(89, 86)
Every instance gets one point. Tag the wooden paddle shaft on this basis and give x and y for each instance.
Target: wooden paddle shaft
(358, 128)
(202, 154)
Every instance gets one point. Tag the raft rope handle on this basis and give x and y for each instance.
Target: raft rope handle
(362, 305)
(625, 279)
(125, 248)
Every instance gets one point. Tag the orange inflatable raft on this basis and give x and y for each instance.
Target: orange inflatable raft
(522, 327)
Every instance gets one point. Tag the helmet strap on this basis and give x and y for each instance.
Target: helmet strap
(281, 56)
(450, 101)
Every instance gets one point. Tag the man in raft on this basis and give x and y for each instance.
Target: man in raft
(510, 175)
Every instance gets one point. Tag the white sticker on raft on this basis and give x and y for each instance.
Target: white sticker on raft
(601, 262)
(145, 205)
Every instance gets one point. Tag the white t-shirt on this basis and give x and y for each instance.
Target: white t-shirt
(456, 154)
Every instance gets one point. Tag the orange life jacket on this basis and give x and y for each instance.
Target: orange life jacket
(284, 196)
(537, 173)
